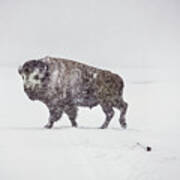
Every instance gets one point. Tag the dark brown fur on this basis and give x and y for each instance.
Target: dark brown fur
(63, 85)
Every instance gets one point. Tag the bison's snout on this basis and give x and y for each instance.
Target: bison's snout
(30, 93)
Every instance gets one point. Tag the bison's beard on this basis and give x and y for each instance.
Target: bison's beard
(31, 93)
(37, 93)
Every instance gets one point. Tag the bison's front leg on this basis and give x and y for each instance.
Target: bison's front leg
(55, 115)
(71, 111)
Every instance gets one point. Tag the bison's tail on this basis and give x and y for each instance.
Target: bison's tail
(121, 86)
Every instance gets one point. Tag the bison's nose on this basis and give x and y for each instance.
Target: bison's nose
(20, 70)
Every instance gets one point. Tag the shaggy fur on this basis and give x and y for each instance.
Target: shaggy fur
(63, 85)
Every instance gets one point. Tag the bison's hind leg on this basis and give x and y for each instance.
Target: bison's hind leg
(109, 112)
(122, 106)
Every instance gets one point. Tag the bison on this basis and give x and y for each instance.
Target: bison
(64, 85)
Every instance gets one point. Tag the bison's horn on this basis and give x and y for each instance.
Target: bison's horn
(20, 69)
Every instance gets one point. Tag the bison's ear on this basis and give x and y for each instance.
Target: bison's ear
(20, 70)
(43, 67)
(45, 71)
(46, 67)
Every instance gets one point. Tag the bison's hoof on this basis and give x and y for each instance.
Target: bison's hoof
(74, 125)
(48, 126)
(124, 125)
(103, 127)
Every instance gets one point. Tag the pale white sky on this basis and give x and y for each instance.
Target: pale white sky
(105, 33)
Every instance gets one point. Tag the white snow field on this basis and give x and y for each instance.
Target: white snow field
(139, 40)
(28, 151)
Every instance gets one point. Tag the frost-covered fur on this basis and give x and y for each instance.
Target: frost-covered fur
(63, 85)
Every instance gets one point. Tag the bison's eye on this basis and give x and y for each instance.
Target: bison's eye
(36, 77)
(26, 70)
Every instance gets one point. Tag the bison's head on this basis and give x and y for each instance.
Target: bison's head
(34, 74)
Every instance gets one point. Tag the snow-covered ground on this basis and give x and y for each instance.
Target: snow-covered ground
(28, 151)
